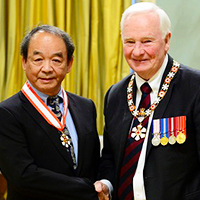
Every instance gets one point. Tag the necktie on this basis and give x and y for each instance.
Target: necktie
(54, 103)
(132, 151)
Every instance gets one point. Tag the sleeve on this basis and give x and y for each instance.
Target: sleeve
(107, 167)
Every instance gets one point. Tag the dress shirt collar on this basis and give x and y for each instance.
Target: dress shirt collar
(154, 81)
(44, 96)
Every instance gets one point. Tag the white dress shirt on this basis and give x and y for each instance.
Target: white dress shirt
(154, 82)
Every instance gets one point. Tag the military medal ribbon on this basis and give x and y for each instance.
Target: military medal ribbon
(169, 130)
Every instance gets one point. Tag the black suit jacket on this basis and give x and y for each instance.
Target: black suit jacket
(34, 161)
(171, 172)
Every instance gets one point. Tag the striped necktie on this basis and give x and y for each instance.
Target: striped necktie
(132, 151)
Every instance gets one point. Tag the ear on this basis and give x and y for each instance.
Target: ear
(69, 64)
(167, 41)
(23, 63)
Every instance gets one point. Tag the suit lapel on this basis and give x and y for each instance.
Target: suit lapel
(161, 108)
(52, 132)
(124, 127)
(76, 113)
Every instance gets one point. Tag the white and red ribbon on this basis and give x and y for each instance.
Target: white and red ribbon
(43, 109)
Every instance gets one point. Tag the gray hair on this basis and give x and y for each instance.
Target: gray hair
(50, 29)
(143, 7)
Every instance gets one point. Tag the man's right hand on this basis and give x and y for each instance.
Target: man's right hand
(102, 189)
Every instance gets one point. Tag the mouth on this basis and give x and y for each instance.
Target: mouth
(140, 61)
(46, 80)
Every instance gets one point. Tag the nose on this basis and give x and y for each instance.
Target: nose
(47, 67)
(138, 49)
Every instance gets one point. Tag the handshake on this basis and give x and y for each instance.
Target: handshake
(103, 191)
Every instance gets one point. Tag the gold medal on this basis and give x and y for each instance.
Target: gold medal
(164, 140)
(172, 139)
(181, 137)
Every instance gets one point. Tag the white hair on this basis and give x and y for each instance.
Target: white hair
(144, 7)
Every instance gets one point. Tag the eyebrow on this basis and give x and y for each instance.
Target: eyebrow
(146, 37)
(59, 54)
(37, 52)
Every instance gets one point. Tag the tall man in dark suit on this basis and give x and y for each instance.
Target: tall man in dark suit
(49, 146)
(152, 152)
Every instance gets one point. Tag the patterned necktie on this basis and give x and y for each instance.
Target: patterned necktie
(132, 151)
(54, 103)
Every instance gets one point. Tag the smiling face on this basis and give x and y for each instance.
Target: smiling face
(143, 44)
(46, 64)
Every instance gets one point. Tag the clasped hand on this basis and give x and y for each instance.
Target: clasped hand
(103, 191)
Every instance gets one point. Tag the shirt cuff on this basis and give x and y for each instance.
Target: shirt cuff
(109, 185)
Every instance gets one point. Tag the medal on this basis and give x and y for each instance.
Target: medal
(156, 139)
(65, 140)
(181, 137)
(164, 140)
(156, 132)
(148, 112)
(172, 139)
(51, 118)
(164, 131)
(181, 133)
(47, 114)
(138, 132)
(169, 130)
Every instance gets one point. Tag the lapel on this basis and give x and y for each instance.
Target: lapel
(76, 112)
(125, 123)
(51, 132)
(161, 108)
